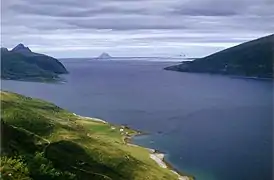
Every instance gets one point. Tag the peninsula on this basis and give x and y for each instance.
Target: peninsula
(43, 141)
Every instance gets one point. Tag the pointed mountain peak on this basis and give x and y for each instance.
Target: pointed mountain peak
(21, 48)
(104, 56)
(21, 45)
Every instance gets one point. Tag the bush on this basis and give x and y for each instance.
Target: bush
(14, 168)
(31, 167)
(42, 168)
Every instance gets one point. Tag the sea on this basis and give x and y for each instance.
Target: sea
(210, 126)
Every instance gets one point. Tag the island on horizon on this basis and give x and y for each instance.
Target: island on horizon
(104, 55)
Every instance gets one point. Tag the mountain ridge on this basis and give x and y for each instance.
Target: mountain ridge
(22, 64)
(21, 48)
(252, 59)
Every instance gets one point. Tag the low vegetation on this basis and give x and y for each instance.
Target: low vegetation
(42, 141)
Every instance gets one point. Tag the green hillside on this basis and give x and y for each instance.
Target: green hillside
(23, 64)
(253, 59)
(42, 141)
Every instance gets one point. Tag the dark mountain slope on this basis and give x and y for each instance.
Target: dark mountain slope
(43, 61)
(22, 64)
(21, 49)
(253, 58)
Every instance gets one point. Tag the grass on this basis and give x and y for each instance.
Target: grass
(73, 147)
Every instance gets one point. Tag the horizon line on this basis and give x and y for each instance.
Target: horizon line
(161, 57)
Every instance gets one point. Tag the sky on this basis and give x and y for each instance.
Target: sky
(166, 28)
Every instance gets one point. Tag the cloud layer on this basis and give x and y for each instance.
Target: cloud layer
(74, 28)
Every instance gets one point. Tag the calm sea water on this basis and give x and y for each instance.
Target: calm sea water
(213, 127)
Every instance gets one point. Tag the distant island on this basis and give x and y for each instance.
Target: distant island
(22, 64)
(104, 56)
(250, 59)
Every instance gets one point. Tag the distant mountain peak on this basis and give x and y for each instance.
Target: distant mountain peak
(21, 48)
(104, 56)
(3, 49)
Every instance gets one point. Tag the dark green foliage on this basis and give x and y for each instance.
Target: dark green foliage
(42, 168)
(14, 169)
(23, 158)
(15, 141)
(30, 167)
(254, 58)
(82, 163)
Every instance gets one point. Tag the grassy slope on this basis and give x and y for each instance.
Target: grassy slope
(88, 149)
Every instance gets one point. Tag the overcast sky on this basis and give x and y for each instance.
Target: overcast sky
(86, 28)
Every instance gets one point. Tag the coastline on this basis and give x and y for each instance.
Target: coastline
(252, 78)
(159, 158)
(89, 118)
(171, 68)
(154, 154)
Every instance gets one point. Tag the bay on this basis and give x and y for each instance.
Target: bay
(213, 127)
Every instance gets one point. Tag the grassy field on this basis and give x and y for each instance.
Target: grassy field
(43, 141)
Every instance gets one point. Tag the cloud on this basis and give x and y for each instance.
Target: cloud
(171, 26)
(224, 8)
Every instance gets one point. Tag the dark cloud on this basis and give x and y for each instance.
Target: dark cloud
(126, 23)
(54, 10)
(210, 8)
(224, 8)
(199, 11)
(60, 3)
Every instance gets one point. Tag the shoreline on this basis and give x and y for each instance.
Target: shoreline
(90, 118)
(221, 74)
(154, 154)
(159, 158)
(252, 78)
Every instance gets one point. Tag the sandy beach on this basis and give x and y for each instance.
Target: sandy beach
(159, 159)
(93, 119)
